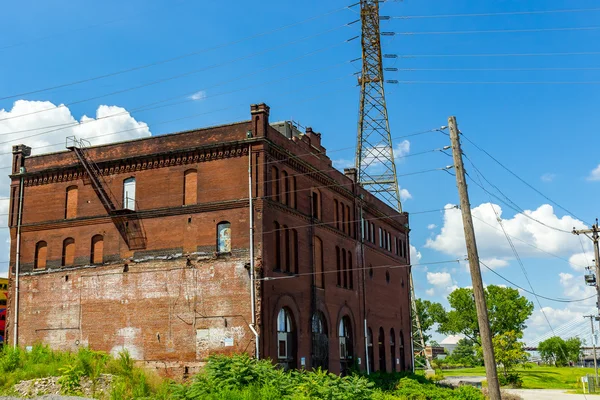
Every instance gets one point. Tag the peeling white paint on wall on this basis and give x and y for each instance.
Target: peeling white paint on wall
(128, 338)
(217, 338)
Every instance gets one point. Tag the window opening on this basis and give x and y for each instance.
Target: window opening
(224, 237)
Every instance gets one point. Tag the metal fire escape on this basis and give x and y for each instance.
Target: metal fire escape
(374, 150)
(126, 218)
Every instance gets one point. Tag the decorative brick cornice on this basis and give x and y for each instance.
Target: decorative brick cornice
(141, 163)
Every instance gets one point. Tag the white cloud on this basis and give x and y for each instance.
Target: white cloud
(439, 279)
(4, 274)
(492, 243)
(580, 260)
(430, 292)
(402, 149)
(494, 263)
(431, 226)
(110, 124)
(415, 255)
(200, 95)
(404, 194)
(548, 177)
(343, 163)
(595, 174)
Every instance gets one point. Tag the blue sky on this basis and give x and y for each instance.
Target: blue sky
(531, 113)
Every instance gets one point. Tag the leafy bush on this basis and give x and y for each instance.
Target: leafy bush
(512, 379)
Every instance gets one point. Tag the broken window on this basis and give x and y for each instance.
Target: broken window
(190, 187)
(286, 346)
(41, 253)
(346, 345)
(224, 237)
(71, 202)
(68, 253)
(129, 194)
(97, 250)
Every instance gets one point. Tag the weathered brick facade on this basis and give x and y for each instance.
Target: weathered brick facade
(169, 280)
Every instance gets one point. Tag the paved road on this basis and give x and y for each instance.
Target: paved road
(548, 394)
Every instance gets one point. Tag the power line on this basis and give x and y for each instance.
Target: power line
(168, 60)
(500, 82)
(519, 178)
(502, 69)
(495, 14)
(530, 292)
(584, 53)
(580, 28)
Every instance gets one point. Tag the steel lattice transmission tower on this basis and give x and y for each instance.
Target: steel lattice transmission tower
(374, 149)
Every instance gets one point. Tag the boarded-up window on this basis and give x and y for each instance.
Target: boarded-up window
(71, 202)
(319, 273)
(190, 187)
(68, 253)
(224, 237)
(41, 254)
(97, 250)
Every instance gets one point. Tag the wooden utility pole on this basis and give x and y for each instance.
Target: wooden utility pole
(480, 304)
(591, 317)
(594, 237)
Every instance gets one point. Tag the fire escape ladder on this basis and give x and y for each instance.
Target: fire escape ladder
(126, 220)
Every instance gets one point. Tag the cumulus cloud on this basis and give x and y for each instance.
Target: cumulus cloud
(200, 95)
(494, 262)
(548, 177)
(431, 226)
(442, 281)
(430, 292)
(402, 149)
(343, 163)
(415, 255)
(492, 243)
(44, 126)
(595, 174)
(404, 194)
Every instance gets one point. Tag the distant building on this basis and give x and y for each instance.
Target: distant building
(3, 301)
(450, 343)
(434, 351)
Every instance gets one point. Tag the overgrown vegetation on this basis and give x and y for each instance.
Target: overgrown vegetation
(231, 378)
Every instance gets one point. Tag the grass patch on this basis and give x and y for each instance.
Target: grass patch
(537, 377)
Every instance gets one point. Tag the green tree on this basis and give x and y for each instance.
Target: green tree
(559, 352)
(429, 313)
(507, 311)
(509, 352)
(465, 354)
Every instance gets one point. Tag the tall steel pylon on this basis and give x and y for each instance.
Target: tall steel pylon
(374, 149)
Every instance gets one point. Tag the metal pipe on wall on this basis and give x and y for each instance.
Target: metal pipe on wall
(251, 243)
(18, 260)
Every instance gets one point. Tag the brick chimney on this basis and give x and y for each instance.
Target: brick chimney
(351, 173)
(260, 119)
(315, 139)
(20, 151)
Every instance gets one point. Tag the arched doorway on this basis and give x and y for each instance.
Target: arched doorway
(402, 357)
(286, 339)
(381, 342)
(346, 345)
(320, 342)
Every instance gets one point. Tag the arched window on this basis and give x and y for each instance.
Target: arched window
(277, 246)
(350, 272)
(41, 254)
(316, 204)
(286, 188)
(345, 267)
(336, 213)
(319, 272)
(190, 187)
(320, 342)
(372, 233)
(286, 340)
(294, 249)
(348, 221)
(129, 193)
(380, 237)
(68, 252)
(97, 250)
(338, 265)
(402, 358)
(274, 184)
(370, 350)
(389, 242)
(393, 350)
(71, 202)
(224, 237)
(342, 218)
(381, 343)
(346, 345)
(286, 248)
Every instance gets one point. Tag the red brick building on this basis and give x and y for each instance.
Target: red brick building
(145, 245)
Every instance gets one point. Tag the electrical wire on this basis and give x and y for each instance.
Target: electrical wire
(575, 10)
(533, 293)
(499, 82)
(577, 28)
(585, 53)
(502, 69)
(520, 179)
(179, 57)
